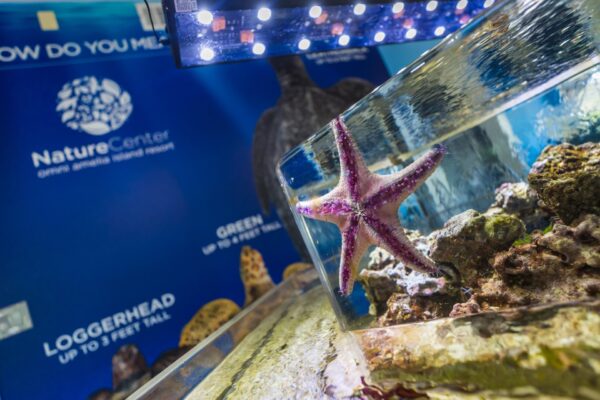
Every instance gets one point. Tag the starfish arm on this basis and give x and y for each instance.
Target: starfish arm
(396, 187)
(390, 236)
(331, 207)
(353, 170)
(354, 245)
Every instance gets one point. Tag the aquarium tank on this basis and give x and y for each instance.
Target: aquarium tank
(469, 181)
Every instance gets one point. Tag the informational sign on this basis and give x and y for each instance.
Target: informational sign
(126, 190)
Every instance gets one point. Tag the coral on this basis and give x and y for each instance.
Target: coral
(466, 308)
(255, 275)
(127, 364)
(548, 352)
(300, 352)
(386, 276)
(469, 239)
(129, 371)
(380, 280)
(520, 200)
(560, 265)
(567, 179)
(207, 320)
(579, 246)
(295, 267)
(365, 205)
(403, 308)
(380, 259)
(375, 392)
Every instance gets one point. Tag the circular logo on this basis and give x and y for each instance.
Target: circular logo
(93, 106)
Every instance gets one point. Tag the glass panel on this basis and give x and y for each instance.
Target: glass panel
(520, 77)
(181, 377)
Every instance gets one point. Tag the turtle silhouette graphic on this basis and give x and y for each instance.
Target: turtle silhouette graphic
(302, 109)
(93, 106)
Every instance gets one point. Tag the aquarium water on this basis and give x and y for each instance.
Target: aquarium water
(523, 76)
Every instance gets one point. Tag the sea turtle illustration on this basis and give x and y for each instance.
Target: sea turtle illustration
(301, 110)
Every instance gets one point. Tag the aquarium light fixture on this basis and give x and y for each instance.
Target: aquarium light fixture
(379, 36)
(359, 9)
(431, 5)
(304, 44)
(200, 35)
(264, 14)
(462, 4)
(315, 11)
(204, 17)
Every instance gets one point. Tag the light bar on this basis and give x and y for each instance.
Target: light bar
(201, 36)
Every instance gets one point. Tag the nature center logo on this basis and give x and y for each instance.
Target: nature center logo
(98, 106)
(93, 106)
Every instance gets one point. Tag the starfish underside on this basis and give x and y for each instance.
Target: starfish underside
(364, 206)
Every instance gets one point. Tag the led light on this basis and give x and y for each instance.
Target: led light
(207, 54)
(315, 11)
(259, 48)
(398, 7)
(344, 40)
(462, 4)
(264, 14)
(304, 44)
(431, 5)
(359, 9)
(439, 31)
(411, 33)
(488, 3)
(205, 17)
(379, 36)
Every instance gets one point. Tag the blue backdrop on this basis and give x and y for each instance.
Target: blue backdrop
(82, 245)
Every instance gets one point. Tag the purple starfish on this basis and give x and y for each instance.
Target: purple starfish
(364, 206)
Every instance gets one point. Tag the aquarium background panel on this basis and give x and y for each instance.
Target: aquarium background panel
(83, 244)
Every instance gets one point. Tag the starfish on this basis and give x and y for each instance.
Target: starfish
(364, 206)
